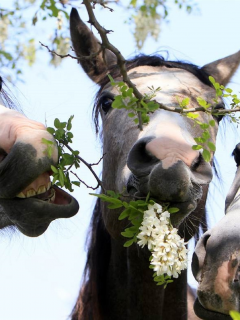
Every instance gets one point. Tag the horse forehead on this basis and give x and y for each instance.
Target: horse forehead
(168, 79)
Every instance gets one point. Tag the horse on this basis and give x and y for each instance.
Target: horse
(28, 200)
(160, 161)
(215, 262)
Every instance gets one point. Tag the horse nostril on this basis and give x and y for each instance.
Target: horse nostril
(3, 154)
(199, 255)
(201, 170)
(140, 161)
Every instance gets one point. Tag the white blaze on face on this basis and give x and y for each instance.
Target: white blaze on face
(171, 146)
(174, 140)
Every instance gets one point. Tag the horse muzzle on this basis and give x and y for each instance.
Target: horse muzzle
(178, 183)
(215, 265)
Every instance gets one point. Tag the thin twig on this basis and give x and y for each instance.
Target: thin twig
(84, 182)
(62, 56)
(97, 163)
(89, 166)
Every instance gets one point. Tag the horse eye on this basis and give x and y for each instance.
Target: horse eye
(106, 104)
(217, 107)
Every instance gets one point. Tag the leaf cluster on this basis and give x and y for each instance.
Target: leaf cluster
(162, 280)
(63, 135)
(133, 211)
(127, 100)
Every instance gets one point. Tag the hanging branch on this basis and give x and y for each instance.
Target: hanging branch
(121, 62)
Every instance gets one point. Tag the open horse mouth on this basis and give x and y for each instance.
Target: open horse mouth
(27, 199)
(33, 215)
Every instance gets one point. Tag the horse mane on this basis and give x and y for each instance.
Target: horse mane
(7, 96)
(92, 292)
(147, 60)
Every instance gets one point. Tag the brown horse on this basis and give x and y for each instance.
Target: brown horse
(158, 160)
(27, 198)
(216, 260)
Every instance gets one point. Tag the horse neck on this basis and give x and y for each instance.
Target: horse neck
(119, 285)
(131, 292)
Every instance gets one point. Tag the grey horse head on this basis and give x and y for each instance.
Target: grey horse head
(216, 260)
(158, 160)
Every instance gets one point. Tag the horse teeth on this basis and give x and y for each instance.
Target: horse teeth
(21, 195)
(52, 199)
(49, 185)
(31, 193)
(41, 189)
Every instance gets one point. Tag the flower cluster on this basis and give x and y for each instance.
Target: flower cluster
(169, 254)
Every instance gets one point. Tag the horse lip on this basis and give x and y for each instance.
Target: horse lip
(206, 314)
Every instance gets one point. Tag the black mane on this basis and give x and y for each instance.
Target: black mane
(154, 61)
(8, 98)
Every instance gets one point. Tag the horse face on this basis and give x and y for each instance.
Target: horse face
(160, 159)
(27, 199)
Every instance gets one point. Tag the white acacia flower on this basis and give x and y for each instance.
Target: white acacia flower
(169, 254)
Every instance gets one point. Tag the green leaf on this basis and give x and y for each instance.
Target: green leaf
(115, 205)
(51, 130)
(206, 155)
(184, 102)
(54, 169)
(113, 194)
(69, 123)
(131, 115)
(206, 135)
(127, 234)
(199, 140)
(7, 55)
(197, 147)
(211, 146)
(228, 90)
(173, 210)
(204, 126)
(76, 183)
(212, 123)
(192, 115)
(128, 243)
(61, 177)
(234, 314)
(57, 123)
(203, 103)
(124, 214)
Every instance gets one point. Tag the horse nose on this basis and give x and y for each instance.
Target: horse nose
(149, 151)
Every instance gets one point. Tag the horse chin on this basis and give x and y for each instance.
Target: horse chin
(32, 216)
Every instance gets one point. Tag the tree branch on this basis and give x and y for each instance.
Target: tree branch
(89, 166)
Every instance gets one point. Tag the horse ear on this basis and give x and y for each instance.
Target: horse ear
(223, 69)
(86, 44)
